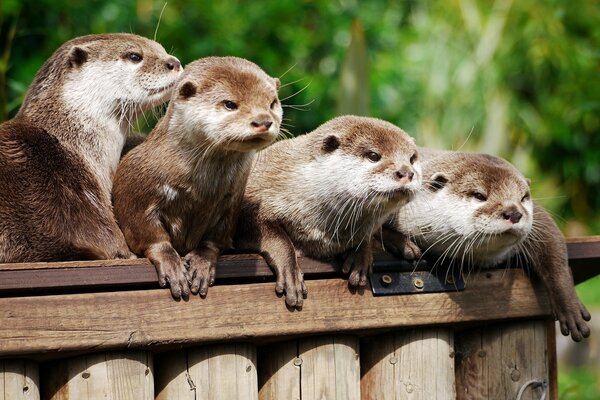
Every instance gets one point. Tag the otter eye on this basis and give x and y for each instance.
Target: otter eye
(135, 57)
(230, 105)
(372, 156)
(413, 158)
(273, 104)
(526, 197)
(479, 196)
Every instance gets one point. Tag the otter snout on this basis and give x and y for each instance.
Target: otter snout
(512, 214)
(261, 126)
(405, 174)
(173, 64)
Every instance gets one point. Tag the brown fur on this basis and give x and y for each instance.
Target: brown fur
(55, 173)
(299, 197)
(179, 191)
(543, 248)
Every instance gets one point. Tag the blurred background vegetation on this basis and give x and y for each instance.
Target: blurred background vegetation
(519, 79)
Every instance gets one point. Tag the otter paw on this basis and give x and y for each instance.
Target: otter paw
(411, 251)
(174, 276)
(359, 264)
(291, 284)
(572, 320)
(201, 273)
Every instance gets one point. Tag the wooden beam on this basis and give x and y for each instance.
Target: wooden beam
(133, 319)
(584, 257)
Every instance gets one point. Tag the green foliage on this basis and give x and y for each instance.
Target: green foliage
(519, 79)
(577, 384)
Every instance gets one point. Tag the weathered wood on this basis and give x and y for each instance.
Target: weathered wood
(218, 372)
(323, 367)
(117, 375)
(19, 380)
(495, 362)
(410, 364)
(97, 321)
(279, 371)
(73, 276)
(584, 257)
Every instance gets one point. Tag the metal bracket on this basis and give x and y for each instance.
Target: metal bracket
(395, 276)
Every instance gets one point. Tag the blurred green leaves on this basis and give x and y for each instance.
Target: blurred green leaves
(519, 79)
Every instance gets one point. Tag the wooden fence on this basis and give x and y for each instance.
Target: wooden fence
(104, 330)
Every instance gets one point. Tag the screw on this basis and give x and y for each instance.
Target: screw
(85, 375)
(481, 353)
(297, 361)
(393, 360)
(515, 375)
(386, 280)
(418, 282)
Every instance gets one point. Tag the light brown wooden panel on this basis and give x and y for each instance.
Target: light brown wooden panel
(113, 375)
(217, 372)
(19, 380)
(411, 364)
(495, 362)
(315, 368)
(98, 321)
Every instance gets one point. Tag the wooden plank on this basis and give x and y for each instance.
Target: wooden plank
(19, 380)
(115, 375)
(72, 276)
(584, 257)
(496, 362)
(98, 321)
(416, 364)
(330, 368)
(217, 372)
(279, 371)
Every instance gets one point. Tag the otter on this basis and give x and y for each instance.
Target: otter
(476, 210)
(179, 191)
(59, 153)
(324, 194)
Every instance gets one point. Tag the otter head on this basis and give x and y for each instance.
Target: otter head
(229, 103)
(105, 76)
(485, 200)
(370, 159)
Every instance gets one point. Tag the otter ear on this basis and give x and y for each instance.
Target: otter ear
(187, 90)
(330, 144)
(77, 56)
(528, 181)
(436, 182)
(277, 83)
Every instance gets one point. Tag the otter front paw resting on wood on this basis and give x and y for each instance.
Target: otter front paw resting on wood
(58, 155)
(179, 192)
(476, 211)
(325, 194)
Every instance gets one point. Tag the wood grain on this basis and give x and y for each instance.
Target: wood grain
(496, 361)
(133, 319)
(112, 375)
(218, 372)
(19, 380)
(410, 364)
(279, 371)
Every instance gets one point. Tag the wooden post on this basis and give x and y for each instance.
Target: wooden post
(19, 379)
(410, 364)
(118, 375)
(218, 372)
(325, 367)
(497, 361)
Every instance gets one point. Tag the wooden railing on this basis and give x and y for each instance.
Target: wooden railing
(106, 327)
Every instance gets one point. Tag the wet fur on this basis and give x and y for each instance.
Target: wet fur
(58, 155)
(446, 221)
(179, 192)
(318, 194)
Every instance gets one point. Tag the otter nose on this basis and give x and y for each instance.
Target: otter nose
(173, 64)
(512, 215)
(261, 126)
(404, 174)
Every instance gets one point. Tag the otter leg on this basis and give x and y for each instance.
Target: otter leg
(201, 265)
(275, 246)
(169, 267)
(547, 253)
(399, 244)
(359, 263)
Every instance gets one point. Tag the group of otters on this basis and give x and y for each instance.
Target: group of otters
(71, 189)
